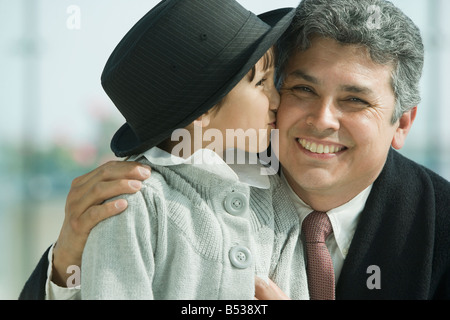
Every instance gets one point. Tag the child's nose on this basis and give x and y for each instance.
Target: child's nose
(274, 99)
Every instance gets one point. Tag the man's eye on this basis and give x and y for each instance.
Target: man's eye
(359, 101)
(302, 89)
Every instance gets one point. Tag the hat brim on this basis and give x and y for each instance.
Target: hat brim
(125, 142)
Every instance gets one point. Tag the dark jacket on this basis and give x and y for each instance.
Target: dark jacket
(34, 288)
(404, 230)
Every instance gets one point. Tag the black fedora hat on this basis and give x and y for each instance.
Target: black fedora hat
(181, 59)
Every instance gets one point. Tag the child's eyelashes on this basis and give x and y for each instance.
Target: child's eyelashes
(261, 82)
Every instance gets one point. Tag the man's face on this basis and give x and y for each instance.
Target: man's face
(335, 122)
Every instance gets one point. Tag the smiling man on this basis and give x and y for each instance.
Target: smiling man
(349, 97)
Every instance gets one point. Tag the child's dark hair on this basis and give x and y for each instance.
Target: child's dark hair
(269, 60)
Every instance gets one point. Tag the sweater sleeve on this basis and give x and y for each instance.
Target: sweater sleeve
(118, 257)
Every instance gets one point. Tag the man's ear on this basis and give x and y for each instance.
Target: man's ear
(405, 123)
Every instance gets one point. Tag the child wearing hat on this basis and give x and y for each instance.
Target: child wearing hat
(201, 227)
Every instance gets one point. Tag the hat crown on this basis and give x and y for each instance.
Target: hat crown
(185, 29)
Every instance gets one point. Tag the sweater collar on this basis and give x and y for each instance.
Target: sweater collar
(248, 173)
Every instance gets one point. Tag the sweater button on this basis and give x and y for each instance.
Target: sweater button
(240, 257)
(235, 203)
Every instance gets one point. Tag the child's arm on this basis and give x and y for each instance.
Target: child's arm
(118, 258)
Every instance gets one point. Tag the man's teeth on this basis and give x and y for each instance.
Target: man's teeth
(318, 148)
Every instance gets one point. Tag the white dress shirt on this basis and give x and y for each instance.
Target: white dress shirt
(248, 173)
(344, 220)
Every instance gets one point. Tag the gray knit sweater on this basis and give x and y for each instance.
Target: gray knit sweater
(190, 234)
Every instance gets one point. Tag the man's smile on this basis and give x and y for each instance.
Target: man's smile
(320, 147)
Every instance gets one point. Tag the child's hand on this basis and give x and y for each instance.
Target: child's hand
(268, 291)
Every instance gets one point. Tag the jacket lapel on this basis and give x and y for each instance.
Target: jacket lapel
(391, 251)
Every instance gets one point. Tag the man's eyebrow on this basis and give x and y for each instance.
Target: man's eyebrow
(356, 89)
(347, 88)
(303, 75)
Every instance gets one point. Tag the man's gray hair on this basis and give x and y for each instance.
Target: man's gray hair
(388, 34)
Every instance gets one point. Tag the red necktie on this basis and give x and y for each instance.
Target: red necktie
(317, 227)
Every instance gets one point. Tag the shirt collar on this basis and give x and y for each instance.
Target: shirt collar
(344, 218)
(210, 161)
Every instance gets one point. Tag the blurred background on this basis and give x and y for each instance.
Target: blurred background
(56, 122)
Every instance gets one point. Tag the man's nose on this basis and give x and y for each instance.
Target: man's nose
(324, 116)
